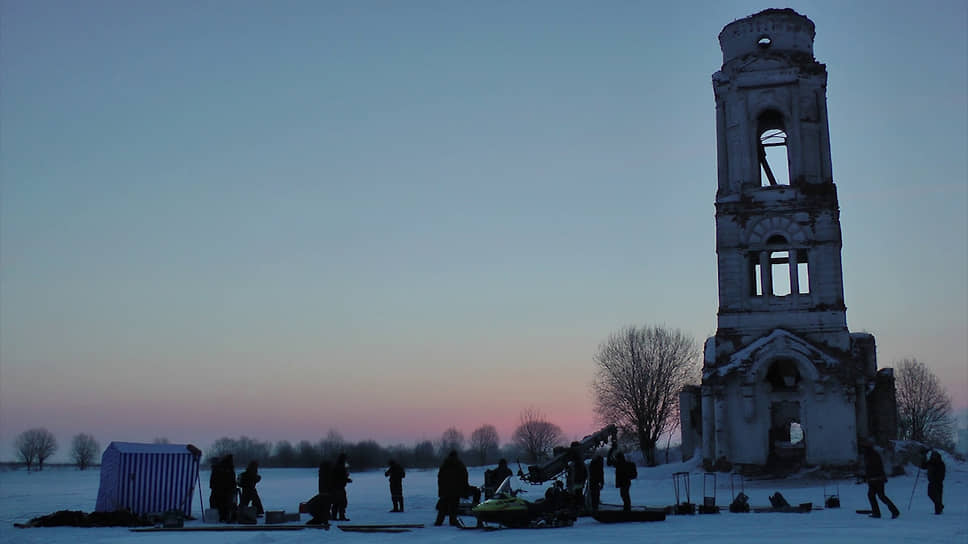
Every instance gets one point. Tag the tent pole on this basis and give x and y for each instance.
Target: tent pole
(201, 501)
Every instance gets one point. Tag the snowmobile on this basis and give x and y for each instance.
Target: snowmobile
(506, 508)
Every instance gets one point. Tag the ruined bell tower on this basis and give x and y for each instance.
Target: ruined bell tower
(783, 378)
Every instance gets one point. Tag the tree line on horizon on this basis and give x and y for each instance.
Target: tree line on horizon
(639, 373)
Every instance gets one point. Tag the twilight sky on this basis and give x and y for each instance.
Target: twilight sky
(388, 218)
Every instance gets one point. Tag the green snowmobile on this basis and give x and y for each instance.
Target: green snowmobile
(508, 509)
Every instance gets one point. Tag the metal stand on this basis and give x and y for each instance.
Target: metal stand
(681, 482)
(831, 500)
(741, 502)
(708, 501)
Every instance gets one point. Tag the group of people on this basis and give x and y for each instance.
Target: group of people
(330, 502)
(594, 475)
(876, 478)
(228, 495)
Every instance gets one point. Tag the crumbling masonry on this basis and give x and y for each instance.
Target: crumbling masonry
(783, 379)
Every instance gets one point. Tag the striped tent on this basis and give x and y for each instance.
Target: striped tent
(148, 478)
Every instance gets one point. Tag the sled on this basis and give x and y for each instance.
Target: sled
(365, 529)
(621, 516)
(354, 527)
(225, 528)
(799, 509)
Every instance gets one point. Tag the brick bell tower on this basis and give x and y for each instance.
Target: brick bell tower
(783, 378)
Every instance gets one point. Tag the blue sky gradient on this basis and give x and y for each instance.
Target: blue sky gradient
(388, 218)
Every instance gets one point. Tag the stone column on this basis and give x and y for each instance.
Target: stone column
(708, 424)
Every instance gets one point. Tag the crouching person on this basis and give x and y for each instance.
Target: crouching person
(320, 505)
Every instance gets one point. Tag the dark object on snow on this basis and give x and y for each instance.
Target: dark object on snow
(275, 516)
(741, 504)
(832, 501)
(778, 500)
(77, 518)
(621, 516)
(780, 504)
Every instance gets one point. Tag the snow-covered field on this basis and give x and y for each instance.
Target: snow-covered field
(25, 495)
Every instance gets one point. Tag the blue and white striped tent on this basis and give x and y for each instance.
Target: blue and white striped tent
(148, 478)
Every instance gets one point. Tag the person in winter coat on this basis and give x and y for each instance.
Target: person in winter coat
(222, 483)
(452, 484)
(247, 480)
(936, 470)
(624, 474)
(876, 478)
(341, 477)
(596, 480)
(502, 472)
(494, 477)
(577, 474)
(319, 505)
(396, 474)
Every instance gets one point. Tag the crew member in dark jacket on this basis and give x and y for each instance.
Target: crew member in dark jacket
(452, 484)
(876, 478)
(222, 483)
(396, 474)
(596, 480)
(494, 477)
(247, 480)
(320, 504)
(502, 472)
(341, 477)
(936, 470)
(577, 474)
(624, 474)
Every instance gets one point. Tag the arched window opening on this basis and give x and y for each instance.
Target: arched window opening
(772, 150)
(783, 375)
(778, 271)
(796, 434)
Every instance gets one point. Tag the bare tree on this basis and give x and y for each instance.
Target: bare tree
(25, 449)
(331, 446)
(452, 439)
(84, 449)
(535, 435)
(639, 375)
(37, 444)
(484, 442)
(923, 405)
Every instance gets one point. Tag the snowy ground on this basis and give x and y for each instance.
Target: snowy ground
(23, 496)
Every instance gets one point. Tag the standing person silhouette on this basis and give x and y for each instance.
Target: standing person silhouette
(396, 474)
(876, 478)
